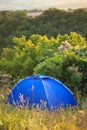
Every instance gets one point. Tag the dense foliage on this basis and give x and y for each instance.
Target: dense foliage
(51, 23)
(63, 57)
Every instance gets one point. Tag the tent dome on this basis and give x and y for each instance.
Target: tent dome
(42, 91)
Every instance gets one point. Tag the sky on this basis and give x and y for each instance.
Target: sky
(41, 4)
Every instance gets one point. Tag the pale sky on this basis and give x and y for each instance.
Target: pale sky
(41, 4)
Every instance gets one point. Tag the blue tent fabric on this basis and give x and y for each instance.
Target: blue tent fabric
(42, 91)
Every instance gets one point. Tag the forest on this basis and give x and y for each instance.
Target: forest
(54, 44)
(51, 23)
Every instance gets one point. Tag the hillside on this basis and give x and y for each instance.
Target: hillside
(53, 43)
(51, 23)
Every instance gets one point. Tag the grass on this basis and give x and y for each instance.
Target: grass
(14, 118)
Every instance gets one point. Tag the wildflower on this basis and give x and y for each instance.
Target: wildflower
(9, 90)
(2, 96)
(21, 97)
(1, 123)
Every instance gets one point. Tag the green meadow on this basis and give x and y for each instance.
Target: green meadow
(20, 118)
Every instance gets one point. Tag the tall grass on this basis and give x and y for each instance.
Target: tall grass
(15, 118)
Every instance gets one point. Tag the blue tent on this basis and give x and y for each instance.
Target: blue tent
(42, 91)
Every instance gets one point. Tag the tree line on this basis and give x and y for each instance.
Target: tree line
(51, 23)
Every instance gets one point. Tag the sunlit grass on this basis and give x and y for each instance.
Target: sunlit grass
(15, 118)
